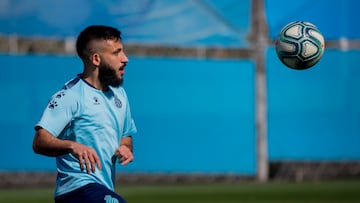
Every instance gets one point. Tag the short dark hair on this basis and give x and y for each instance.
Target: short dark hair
(94, 32)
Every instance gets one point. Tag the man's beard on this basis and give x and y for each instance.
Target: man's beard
(107, 76)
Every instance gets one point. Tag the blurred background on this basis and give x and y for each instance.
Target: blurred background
(210, 98)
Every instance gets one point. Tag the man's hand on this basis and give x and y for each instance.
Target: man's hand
(125, 155)
(87, 156)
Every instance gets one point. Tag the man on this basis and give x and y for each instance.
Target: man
(87, 125)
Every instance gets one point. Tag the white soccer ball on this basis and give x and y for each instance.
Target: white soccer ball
(300, 45)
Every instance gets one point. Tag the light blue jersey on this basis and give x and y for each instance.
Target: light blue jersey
(98, 119)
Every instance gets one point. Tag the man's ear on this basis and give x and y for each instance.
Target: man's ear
(95, 59)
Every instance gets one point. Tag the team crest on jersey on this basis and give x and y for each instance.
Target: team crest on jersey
(117, 102)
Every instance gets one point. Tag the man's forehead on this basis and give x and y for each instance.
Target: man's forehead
(109, 45)
(113, 42)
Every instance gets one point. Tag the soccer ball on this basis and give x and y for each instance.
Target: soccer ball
(300, 45)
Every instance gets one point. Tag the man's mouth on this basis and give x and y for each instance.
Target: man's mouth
(122, 69)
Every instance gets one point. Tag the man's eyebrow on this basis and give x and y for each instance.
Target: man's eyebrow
(117, 50)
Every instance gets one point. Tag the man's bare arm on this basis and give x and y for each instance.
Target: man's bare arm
(127, 141)
(125, 151)
(46, 144)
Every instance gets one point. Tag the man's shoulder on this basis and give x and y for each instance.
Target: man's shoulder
(69, 90)
(72, 83)
(73, 87)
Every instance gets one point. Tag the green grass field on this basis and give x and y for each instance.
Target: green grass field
(321, 192)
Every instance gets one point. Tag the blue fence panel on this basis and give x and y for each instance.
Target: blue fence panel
(315, 114)
(192, 115)
(27, 83)
(197, 115)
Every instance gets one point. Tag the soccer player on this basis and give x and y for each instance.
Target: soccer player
(87, 125)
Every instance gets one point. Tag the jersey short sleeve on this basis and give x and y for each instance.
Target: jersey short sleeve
(129, 124)
(59, 112)
(129, 128)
